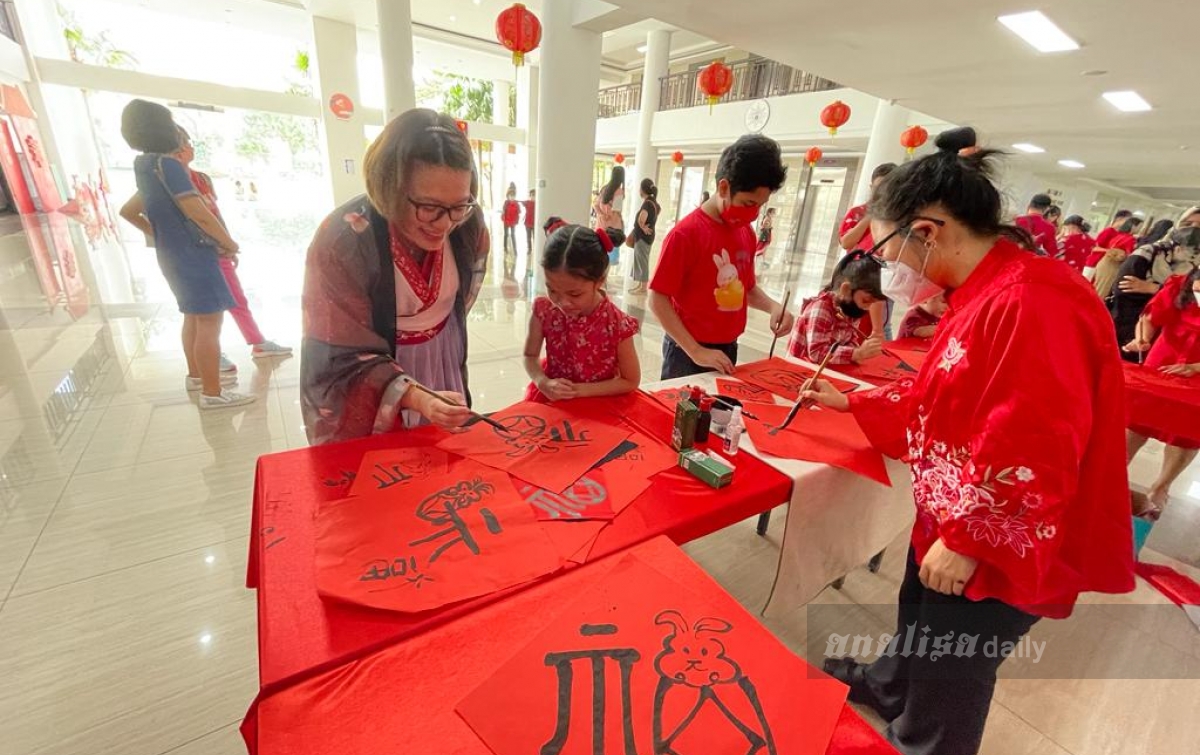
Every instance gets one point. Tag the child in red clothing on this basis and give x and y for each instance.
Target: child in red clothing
(589, 342)
(1076, 244)
(922, 320)
(833, 316)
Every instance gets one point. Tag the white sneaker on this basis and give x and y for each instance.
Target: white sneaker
(269, 349)
(227, 365)
(225, 400)
(196, 384)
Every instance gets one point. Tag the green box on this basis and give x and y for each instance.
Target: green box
(705, 468)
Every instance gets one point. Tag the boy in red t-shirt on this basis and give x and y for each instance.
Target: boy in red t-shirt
(530, 220)
(705, 281)
(510, 213)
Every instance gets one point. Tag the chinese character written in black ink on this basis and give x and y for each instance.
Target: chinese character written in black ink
(405, 568)
(527, 434)
(344, 478)
(442, 509)
(386, 477)
(571, 502)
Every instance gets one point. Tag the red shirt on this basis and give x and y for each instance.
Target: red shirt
(208, 193)
(820, 325)
(707, 270)
(510, 212)
(1044, 232)
(581, 349)
(1017, 452)
(1076, 249)
(1178, 340)
(1114, 240)
(913, 319)
(852, 219)
(530, 213)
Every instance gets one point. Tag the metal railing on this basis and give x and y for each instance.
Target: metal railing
(752, 80)
(620, 100)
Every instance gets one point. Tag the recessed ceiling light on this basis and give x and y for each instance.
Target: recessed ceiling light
(1127, 101)
(453, 19)
(1074, 164)
(1039, 32)
(642, 48)
(1032, 149)
(477, 2)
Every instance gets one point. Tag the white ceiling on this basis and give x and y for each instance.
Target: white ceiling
(952, 60)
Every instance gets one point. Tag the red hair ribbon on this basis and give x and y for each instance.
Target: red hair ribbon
(605, 241)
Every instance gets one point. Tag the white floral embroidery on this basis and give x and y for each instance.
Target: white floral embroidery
(1024, 474)
(1045, 531)
(939, 448)
(953, 354)
(997, 528)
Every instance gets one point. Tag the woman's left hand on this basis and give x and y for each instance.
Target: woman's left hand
(1182, 370)
(1131, 284)
(945, 571)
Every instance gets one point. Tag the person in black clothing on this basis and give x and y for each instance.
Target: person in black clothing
(1157, 232)
(1143, 272)
(643, 236)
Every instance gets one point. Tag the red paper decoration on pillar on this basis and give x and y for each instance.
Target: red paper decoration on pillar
(677, 157)
(715, 81)
(913, 138)
(518, 30)
(619, 158)
(813, 156)
(835, 115)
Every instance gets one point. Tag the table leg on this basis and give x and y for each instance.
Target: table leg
(875, 562)
(764, 521)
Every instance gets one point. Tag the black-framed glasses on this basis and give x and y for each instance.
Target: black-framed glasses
(431, 212)
(877, 249)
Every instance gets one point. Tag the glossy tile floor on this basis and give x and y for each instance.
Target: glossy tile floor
(124, 622)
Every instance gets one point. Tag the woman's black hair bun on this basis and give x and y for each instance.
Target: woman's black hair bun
(956, 139)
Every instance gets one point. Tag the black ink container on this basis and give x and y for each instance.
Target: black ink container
(704, 423)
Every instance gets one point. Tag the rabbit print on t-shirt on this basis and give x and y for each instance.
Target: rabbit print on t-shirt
(729, 293)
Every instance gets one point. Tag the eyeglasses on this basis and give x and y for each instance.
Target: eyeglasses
(878, 248)
(430, 212)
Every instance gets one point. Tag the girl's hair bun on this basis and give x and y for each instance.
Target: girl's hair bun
(956, 139)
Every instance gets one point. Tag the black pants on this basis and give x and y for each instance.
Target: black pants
(529, 240)
(676, 362)
(510, 239)
(941, 705)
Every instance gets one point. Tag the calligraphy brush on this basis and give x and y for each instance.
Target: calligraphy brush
(444, 400)
(728, 405)
(787, 296)
(811, 382)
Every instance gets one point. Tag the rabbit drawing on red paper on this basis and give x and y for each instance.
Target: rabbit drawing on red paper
(694, 672)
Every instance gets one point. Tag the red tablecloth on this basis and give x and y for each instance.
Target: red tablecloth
(403, 698)
(299, 634)
(1162, 406)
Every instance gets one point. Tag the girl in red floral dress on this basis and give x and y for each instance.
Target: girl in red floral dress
(589, 342)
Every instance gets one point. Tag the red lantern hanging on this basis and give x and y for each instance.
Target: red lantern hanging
(813, 156)
(619, 158)
(715, 81)
(913, 138)
(518, 30)
(835, 115)
(677, 157)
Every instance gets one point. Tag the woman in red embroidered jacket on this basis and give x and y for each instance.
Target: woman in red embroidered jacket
(390, 277)
(1016, 452)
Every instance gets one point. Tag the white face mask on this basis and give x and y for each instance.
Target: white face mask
(906, 286)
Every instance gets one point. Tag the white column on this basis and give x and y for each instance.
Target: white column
(396, 50)
(527, 119)
(500, 177)
(337, 73)
(566, 141)
(656, 66)
(884, 146)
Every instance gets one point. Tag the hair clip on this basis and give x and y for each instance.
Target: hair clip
(605, 240)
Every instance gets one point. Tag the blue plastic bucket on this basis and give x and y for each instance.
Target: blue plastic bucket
(1141, 531)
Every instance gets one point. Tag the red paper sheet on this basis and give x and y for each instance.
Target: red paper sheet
(383, 470)
(639, 458)
(744, 391)
(784, 378)
(920, 345)
(818, 435)
(544, 445)
(669, 397)
(597, 495)
(641, 663)
(432, 542)
(883, 369)
(574, 539)
(1180, 589)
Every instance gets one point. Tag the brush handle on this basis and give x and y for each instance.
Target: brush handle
(444, 400)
